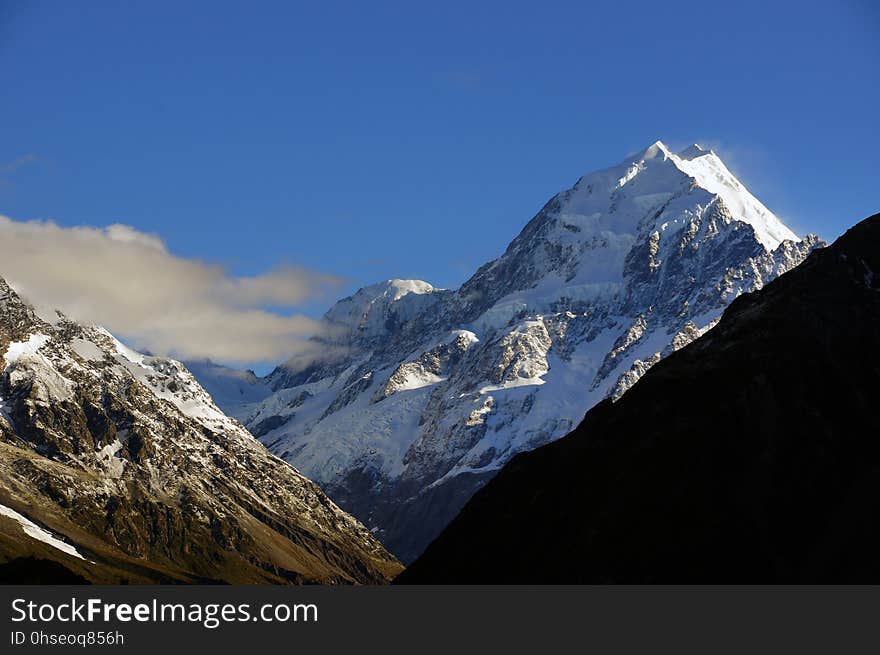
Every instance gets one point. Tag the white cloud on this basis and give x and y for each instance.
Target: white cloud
(127, 281)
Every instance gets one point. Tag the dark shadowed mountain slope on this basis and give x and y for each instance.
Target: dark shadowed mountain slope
(750, 456)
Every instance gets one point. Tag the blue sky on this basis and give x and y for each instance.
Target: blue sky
(409, 139)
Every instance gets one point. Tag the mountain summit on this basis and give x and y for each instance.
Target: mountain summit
(423, 394)
(710, 173)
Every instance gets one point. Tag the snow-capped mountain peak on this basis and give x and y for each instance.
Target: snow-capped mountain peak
(711, 174)
(370, 311)
(655, 175)
(422, 394)
(655, 150)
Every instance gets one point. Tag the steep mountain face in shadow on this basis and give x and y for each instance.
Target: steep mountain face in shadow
(751, 455)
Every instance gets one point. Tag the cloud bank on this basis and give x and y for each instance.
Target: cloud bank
(127, 281)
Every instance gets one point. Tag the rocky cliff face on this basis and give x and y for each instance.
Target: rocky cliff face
(424, 394)
(120, 467)
(750, 456)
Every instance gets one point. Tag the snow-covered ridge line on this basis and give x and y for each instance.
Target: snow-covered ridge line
(167, 378)
(710, 173)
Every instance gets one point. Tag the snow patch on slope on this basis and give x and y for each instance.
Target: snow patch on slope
(34, 531)
(109, 457)
(87, 350)
(21, 349)
(418, 379)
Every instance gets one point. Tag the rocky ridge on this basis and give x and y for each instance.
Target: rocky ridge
(120, 467)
